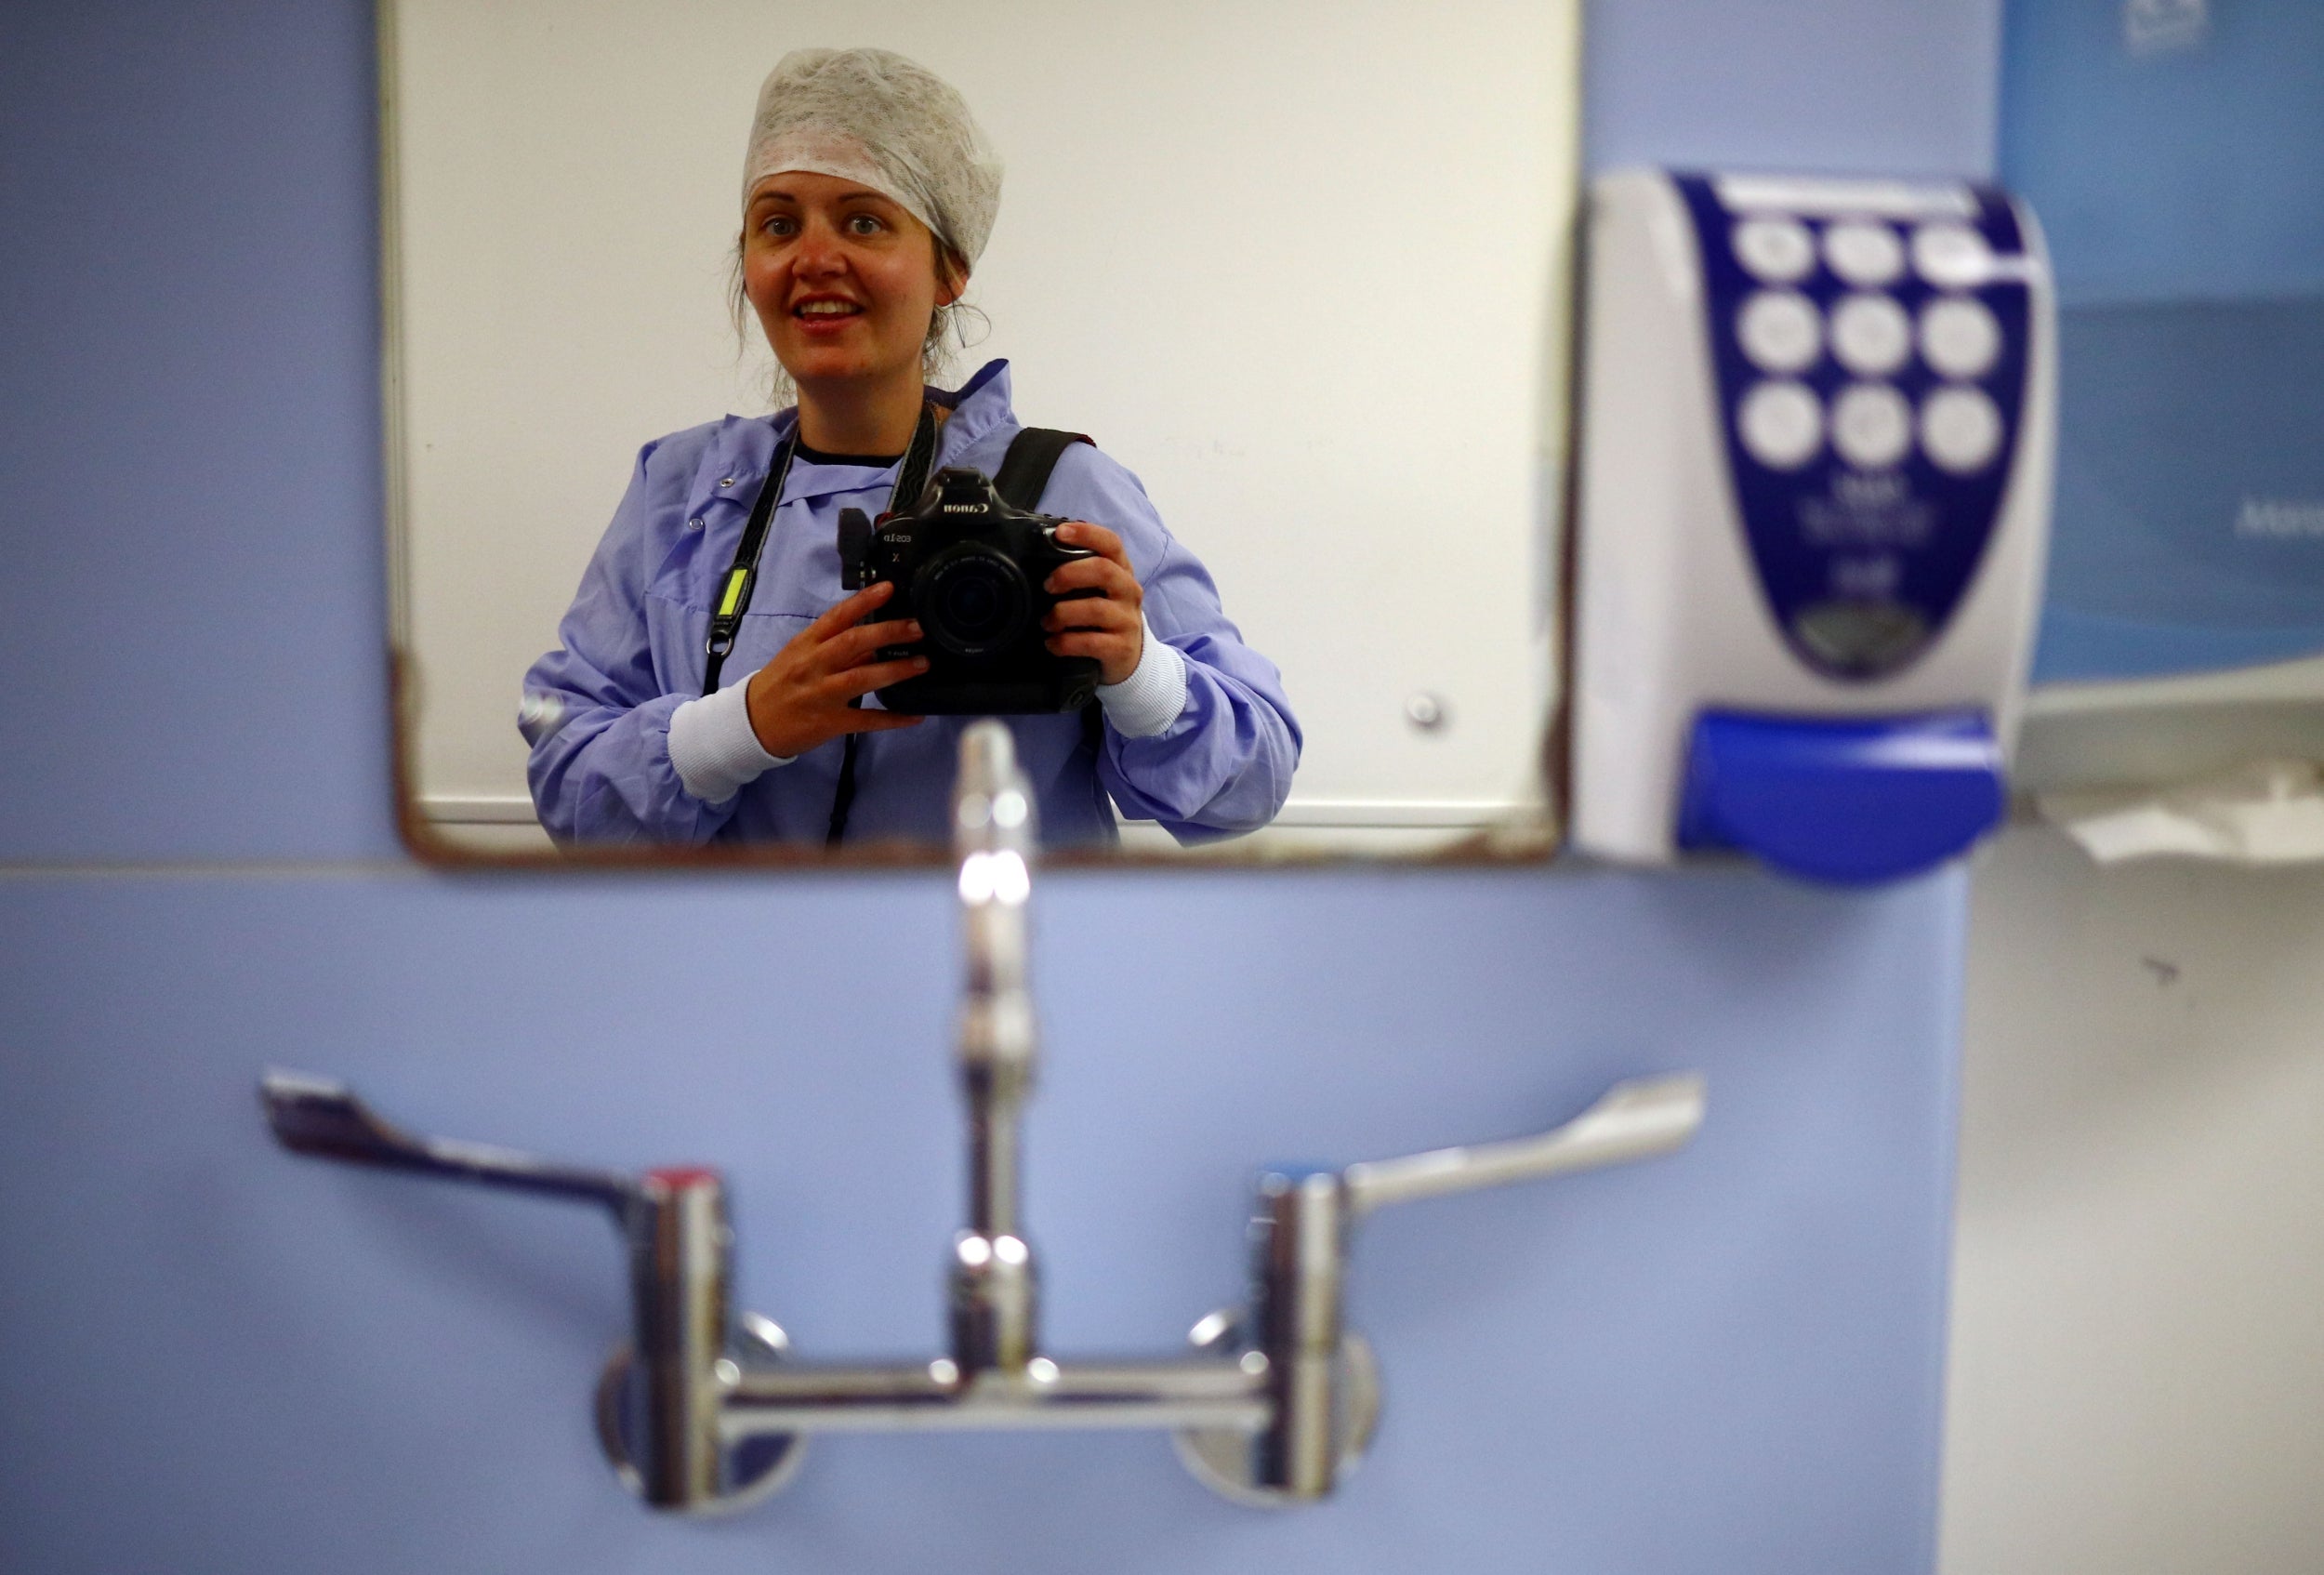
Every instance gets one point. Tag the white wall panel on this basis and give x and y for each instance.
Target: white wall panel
(2137, 1367)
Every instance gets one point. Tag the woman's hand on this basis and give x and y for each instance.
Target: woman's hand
(1108, 626)
(799, 699)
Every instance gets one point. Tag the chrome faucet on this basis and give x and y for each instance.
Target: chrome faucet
(707, 1411)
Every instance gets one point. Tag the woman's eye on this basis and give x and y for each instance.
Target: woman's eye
(780, 224)
(863, 224)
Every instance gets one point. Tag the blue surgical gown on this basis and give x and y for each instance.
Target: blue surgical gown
(597, 709)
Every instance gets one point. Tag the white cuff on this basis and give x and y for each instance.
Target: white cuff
(713, 746)
(1151, 697)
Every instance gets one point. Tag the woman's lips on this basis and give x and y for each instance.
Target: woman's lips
(826, 318)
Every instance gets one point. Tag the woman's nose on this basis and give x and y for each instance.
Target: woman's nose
(819, 251)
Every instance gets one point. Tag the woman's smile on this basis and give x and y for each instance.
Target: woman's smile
(826, 315)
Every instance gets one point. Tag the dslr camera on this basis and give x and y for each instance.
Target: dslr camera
(970, 569)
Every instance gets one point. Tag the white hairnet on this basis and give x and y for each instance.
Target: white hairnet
(872, 117)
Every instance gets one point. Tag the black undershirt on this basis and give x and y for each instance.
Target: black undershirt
(817, 457)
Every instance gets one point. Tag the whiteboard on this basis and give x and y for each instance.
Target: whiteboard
(1304, 271)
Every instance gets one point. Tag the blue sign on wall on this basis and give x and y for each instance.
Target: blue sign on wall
(2174, 153)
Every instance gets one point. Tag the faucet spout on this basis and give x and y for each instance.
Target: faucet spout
(995, 1293)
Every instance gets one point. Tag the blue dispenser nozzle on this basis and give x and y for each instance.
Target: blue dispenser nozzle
(1848, 802)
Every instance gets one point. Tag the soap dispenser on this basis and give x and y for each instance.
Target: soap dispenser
(1815, 450)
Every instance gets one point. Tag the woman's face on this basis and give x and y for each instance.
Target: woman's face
(842, 278)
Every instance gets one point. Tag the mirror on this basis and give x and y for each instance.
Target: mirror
(1306, 275)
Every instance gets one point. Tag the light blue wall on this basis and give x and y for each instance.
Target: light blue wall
(214, 1357)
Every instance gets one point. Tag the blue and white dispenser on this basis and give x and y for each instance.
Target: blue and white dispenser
(1817, 429)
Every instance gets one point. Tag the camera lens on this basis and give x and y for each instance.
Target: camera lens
(971, 600)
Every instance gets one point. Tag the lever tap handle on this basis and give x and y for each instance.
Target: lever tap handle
(1631, 1120)
(312, 1115)
(1301, 1231)
(674, 1223)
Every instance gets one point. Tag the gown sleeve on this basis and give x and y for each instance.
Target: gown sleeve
(1224, 766)
(597, 709)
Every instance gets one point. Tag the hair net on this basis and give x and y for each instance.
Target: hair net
(872, 117)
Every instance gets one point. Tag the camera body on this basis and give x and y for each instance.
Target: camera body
(970, 569)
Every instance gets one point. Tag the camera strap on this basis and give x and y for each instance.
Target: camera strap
(742, 576)
(911, 476)
(1025, 472)
(741, 579)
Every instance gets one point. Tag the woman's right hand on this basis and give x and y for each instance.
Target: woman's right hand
(800, 700)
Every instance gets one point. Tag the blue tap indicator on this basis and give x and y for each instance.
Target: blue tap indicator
(1848, 802)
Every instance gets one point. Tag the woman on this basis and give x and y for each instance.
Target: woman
(869, 193)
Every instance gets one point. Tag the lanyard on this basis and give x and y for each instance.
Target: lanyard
(742, 576)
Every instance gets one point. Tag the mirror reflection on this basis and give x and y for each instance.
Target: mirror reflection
(1289, 594)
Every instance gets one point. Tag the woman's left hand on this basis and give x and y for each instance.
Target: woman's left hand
(1109, 625)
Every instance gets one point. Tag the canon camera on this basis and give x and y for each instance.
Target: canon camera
(970, 569)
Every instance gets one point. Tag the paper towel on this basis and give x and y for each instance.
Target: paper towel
(2265, 812)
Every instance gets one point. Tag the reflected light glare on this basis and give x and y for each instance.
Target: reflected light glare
(1009, 1249)
(994, 877)
(975, 1252)
(1008, 809)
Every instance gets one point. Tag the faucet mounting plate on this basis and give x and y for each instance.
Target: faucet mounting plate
(1221, 1457)
(752, 1468)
